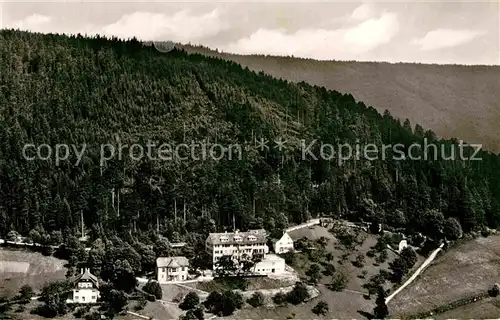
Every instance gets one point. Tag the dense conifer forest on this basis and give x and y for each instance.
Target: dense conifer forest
(57, 89)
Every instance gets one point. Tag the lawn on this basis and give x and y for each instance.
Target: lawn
(466, 269)
(20, 267)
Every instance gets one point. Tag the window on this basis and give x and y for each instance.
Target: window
(183, 268)
(93, 297)
(76, 297)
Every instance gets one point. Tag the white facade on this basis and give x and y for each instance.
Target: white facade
(238, 245)
(172, 269)
(284, 244)
(86, 288)
(271, 264)
(402, 244)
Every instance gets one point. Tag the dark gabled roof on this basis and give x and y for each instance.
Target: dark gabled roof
(86, 276)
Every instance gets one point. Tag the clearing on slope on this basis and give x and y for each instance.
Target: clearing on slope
(18, 268)
(465, 270)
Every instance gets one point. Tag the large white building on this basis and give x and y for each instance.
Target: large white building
(172, 269)
(86, 288)
(271, 264)
(238, 245)
(283, 244)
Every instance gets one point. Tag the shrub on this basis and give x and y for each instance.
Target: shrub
(26, 292)
(154, 288)
(256, 300)
(191, 300)
(321, 308)
(314, 273)
(329, 270)
(339, 281)
(279, 299)
(298, 294)
(359, 261)
(141, 304)
(495, 290)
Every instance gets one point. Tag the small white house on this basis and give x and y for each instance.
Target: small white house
(271, 264)
(172, 269)
(284, 244)
(86, 288)
(402, 245)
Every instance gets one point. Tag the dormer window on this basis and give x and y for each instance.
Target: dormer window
(237, 238)
(224, 239)
(252, 238)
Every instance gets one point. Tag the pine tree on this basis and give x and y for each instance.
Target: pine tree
(381, 311)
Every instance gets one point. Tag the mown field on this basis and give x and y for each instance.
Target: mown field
(18, 268)
(467, 269)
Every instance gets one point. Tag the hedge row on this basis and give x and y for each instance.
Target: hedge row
(450, 306)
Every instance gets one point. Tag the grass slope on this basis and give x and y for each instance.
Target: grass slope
(451, 100)
(18, 268)
(465, 270)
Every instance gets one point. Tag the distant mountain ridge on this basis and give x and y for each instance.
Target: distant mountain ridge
(452, 100)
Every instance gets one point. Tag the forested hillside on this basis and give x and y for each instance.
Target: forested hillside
(452, 100)
(59, 89)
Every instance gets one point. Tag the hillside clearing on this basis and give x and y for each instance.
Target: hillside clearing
(19, 267)
(467, 269)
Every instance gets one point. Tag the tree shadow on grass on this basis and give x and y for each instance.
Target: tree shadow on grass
(365, 314)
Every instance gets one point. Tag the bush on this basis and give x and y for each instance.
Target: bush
(154, 288)
(279, 299)
(409, 256)
(190, 301)
(321, 308)
(141, 304)
(298, 294)
(314, 273)
(485, 232)
(26, 292)
(94, 315)
(359, 262)
(230, 302)
(256, 300)
(223, 304)
(339, 281)
(382, 257)
(495, 290)
(329, 270)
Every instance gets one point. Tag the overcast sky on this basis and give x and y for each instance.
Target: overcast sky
(411, 31)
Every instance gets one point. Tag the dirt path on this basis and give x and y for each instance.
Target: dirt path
(415, 275)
